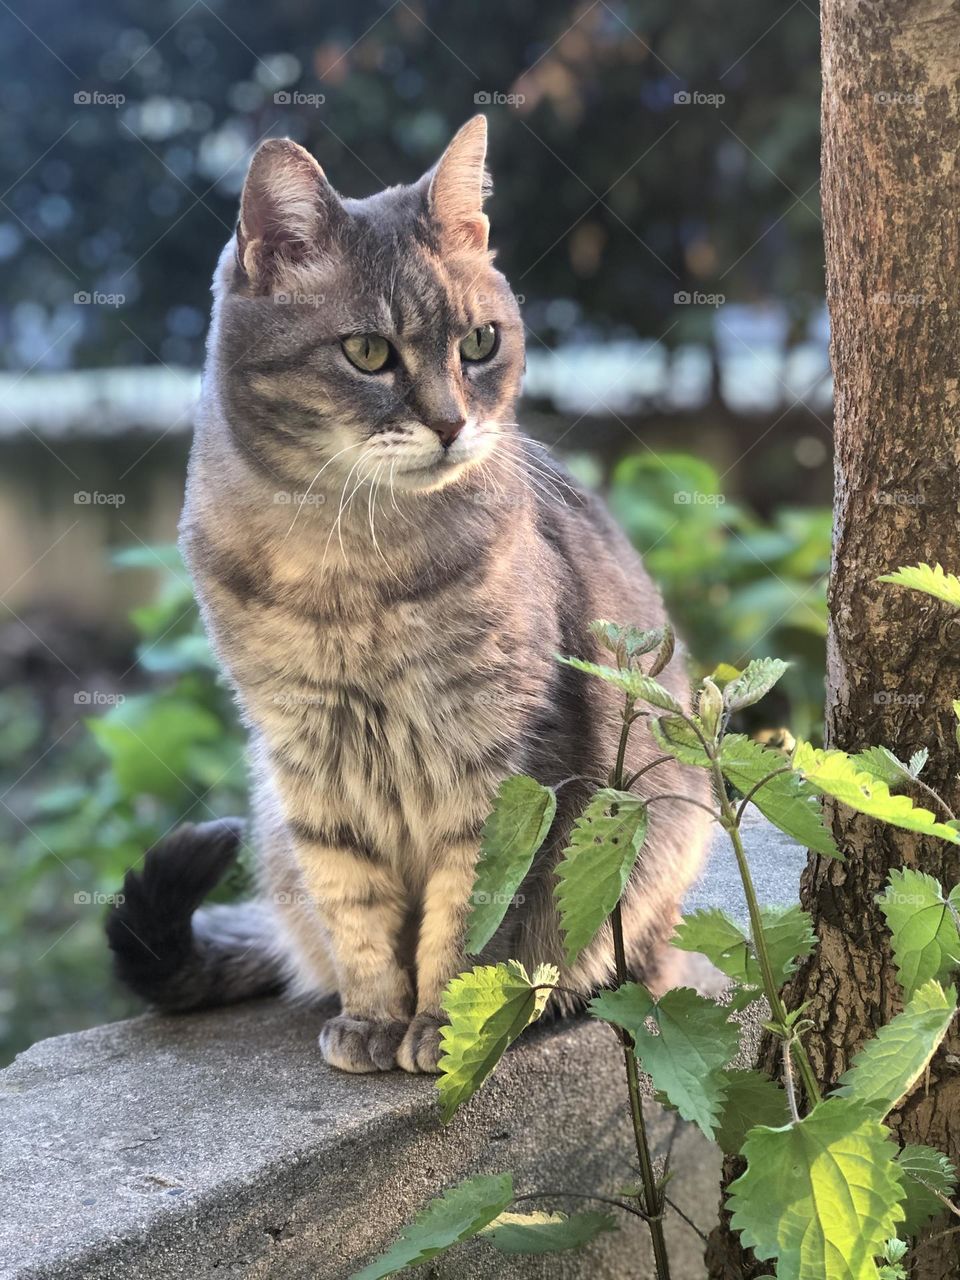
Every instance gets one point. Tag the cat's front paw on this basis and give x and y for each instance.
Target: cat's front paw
(420, 1049)
(361, 1044)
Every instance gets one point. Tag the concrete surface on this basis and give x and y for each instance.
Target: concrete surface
(220, 1144)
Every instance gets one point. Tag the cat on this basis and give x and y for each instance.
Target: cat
(386, 568)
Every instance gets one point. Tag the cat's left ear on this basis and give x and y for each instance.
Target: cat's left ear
(459, 184)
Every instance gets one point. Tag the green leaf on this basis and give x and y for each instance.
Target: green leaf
(458, 1214)
(675, 736)
(822, 1195)
(715, 935)
(487, 1008)
(788, 932)
(918, 762)
(545, 1232)
(633, 642)
(634, 683)
(596, 865)
(883, 764)
(888, 1066)
(786, 800)
(149, 739)
(925, 1171)
(925, 940)
(836, 774)
(758, 678)
(931, 580)
(751, 1099)
(790, 937)
(516, 828)
(683, 1056)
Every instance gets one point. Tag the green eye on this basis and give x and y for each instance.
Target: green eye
(479, 343)
(367, 351)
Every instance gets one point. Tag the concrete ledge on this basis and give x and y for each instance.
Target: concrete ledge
(220, 1144)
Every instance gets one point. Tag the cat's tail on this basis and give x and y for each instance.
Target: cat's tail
(179, 957)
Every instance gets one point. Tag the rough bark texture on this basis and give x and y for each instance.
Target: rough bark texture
(891, 199)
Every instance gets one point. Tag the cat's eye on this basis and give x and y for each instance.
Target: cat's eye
(479, 343)
(367, 352)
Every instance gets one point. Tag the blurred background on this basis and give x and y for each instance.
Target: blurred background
(656, 207)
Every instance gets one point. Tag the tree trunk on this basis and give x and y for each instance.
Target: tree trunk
(891, 200)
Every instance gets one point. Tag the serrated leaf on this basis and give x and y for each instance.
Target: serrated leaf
(926, 1171)
(633, 642)
(692, 1041)
(790, 937)
(675, 736)
(836, 774)
(715, 935)
(932, 580)
(822, 1195)
(458, 1214)
(545, 1232)
(751, 1099)
(487, 1009)
(888, 1066)
(918, 762)
(925, 940)
(723, 673)
(632, 682)
(596, 865)
(516, 828)
(787, 800)
(755, 682)
(883, 764)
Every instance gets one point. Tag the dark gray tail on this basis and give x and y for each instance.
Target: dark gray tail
(176, 956)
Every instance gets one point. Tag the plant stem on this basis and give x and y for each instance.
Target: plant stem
(771, 988)
(651, 1201)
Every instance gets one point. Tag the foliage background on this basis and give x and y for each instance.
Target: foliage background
(708, 425)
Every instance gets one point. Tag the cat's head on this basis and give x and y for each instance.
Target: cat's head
(373, 332)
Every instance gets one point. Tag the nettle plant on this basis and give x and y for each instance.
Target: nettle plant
(826, 1192)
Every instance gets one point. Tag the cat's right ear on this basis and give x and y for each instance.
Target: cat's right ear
(287, 212)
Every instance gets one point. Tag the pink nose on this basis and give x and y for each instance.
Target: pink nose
(448, 430)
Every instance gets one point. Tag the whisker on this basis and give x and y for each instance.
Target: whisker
(313, 482)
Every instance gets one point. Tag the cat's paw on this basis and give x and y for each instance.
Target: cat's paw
(361, 1044)
(420, 1049)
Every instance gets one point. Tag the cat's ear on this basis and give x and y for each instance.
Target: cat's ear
(458, 187)
(287, 211)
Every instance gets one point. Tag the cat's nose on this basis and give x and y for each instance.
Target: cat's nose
(447, 429)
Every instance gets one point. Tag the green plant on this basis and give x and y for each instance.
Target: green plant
(158, 744)
(735, 585)
(825, 1193)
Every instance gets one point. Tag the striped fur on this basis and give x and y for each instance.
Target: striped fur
(391, 638)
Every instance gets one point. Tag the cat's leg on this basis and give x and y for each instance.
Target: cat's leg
(440, 952)
(361, 903)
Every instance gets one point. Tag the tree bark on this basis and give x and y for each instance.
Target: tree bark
(891, 201)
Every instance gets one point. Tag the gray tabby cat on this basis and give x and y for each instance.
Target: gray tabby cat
(386, 568)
